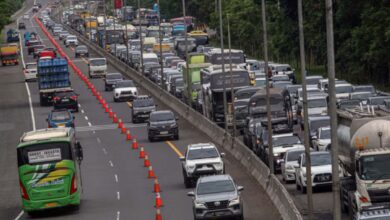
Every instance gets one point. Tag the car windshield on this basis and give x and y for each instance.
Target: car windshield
(200, 153)
(312, 81)
(325, 134)
(375, 167)
(294, 155)
(179, 83)
(165, 116)
(60, 116)
(261, 82)
(289, 140)
(343, 89)
(114, 76)
(124, 84)
(98, 62)
(244, 95)
(31, 66)
(71, 38)
(81, 48)
(319, 160)
(316, 103)
(220, 186)
(281, 84)
(315, 124)
(143, 103)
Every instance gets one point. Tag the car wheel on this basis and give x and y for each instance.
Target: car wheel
(303, 188)
(297, 186)
(241, 217)
(115, 99)
(187, 181)
(150, 139)
(76, 55)
(176, 137)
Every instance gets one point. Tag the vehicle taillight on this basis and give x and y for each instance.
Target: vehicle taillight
(23, 191)
(56, 98)
(49, 126)
(363, 199)
(73, 187)
(74, 97)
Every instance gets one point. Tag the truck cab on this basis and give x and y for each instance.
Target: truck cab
(97, 67)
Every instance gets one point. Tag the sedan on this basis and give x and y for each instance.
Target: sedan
(60, 118)
(66, 99)
(81, 50)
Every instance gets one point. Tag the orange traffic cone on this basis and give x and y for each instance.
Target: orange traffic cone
(158, 214)
(111, 114)
(142, 153)
(159, 202)
(135, 144)
(157, 188)
(120, 123)
(128, 135)
(115, 119)
(151, 174)
(123, 130)
(146, 161)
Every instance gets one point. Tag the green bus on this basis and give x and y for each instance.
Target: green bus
(49, 169)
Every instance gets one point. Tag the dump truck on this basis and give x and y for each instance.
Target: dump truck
(53, 76)
(9, 55)
(364, 158)
(12, 36)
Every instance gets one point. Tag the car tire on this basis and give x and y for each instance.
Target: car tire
(76, 55)
(297, 186)
(241, 217)
(115, 99)
(303, 189)
(150, 138)
(176, 136)
(187, 181)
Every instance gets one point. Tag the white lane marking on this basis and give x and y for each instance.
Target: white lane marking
(118, 214)
(89, 124)
(20, 215)
(27, 87)
(111, 164)
(86, 118)
(118, 195)
(98, 140)
(82, 111)
(93, 131)
(116, 178)
(79, 105)
(104, 151)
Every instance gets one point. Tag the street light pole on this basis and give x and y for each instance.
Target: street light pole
(305, 113)
(223, 63)
(332, 110)
(186, 54)
(160, 36)
(269, 122)
(231, 79)
(105, 25)
(140, 38)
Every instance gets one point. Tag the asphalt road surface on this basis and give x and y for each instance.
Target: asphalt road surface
(115, 183)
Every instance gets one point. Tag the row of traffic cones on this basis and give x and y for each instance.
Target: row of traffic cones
(107, 109)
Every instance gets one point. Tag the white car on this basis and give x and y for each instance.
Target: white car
(343, 90)
(201, 159)
(30, 71)
(26, 16)
(321, 170)
(56, 30)
(321, 140)
(281, 143)
(97, 67)
(289, 161)
(71, 40)
(125, 90)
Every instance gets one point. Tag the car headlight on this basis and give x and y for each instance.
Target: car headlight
(276, 155)
(190, 168)
(173, 125)
(199, 205)
(234, 201)
(218, 166)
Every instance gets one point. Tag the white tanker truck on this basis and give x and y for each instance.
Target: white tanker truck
(364, 156)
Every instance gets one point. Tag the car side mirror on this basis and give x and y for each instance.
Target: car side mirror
(240, 188)
(182, 158)
(79, 152)
(177, 118)
(191, 194)
(223, 154)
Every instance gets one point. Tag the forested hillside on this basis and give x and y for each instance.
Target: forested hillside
(7, 8)
(362, 32)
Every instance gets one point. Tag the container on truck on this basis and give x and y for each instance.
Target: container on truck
(191, 78)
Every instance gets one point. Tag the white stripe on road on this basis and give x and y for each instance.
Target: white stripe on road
(104, 151)
(89, 124)
(118, 195)
(20, 215)
(98, 140)
(118, 214)
(86, 118)
(116, 178)
(82, 111)
(111, 164)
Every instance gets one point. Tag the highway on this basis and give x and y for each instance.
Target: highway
(115, 183)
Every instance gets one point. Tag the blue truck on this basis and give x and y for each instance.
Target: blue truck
(12, 36)
(53, 76)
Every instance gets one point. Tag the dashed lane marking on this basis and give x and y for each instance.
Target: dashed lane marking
(86, 118)
(104, 151)
(111, 164)
(98, 140)
(89, 124)
(116, 178)
(118, 195)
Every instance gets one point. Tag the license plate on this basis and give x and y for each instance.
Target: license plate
(60, 125)
(65, 100)
(219, 213)
(51, 204)
(144, 116)
(164, 132)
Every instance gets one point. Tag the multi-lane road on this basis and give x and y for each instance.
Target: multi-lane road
(115, 183)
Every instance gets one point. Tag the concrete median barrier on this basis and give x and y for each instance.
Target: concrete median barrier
(275, 190)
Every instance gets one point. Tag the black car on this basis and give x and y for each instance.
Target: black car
(143, 105)
(162, 124)
(21, 26)
(66, 100)
(111, 79)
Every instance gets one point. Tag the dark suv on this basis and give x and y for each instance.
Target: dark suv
(66, 100)
(162, 124)
(143, 105)
(111, 79)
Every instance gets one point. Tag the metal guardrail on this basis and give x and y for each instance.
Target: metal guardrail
(254, 166)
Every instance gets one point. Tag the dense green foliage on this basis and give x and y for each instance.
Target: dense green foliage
(362, 32)
(7, 8)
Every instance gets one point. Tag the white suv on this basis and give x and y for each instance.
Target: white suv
(125, 90)
(71, 40)
(201, 159)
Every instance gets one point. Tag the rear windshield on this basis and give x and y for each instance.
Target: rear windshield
(60, 116)
(65, 94)
(166, 116)
(31, 66)
(44, 153)
(202, 153)
(98, 62)
(124, 84)
(114, 76)
(143, 102)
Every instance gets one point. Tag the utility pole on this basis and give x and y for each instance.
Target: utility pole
(231, 79)
(332, 110)
(140, 38)
(305, 114)
(186, 54)
(105, 25)
(90, 20)
(161, 38)
(127, 34)
(223, 63)
(269, 122)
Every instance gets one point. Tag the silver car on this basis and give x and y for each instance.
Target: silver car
(217, 196)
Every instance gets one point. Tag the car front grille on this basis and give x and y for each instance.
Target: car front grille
(324, 177)
(217, 205)
(126, 93)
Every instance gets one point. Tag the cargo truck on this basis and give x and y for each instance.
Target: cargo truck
(53, 76)
(12, 36)
(364, 158)
(191, 79)
(9, 55)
